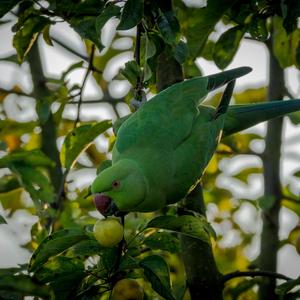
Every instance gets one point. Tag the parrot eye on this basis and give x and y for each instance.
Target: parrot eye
(116, 184)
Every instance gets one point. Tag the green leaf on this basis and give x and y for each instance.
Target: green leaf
(108, 258)
(294, 117)
(168, 26)
(253, 95)
(46, 35)
(287, 286)
(197, 23)
(32, 158)
(86, 28)
(64, 275)
(55, 244)
(24, 285)
(17, 128)
(108, 12)
(297, 173)
(208, 50)
(181, 52)
(28, 33)
(2, 220)
(196, 227)
(7, 5)
(285, 46)
(132, 14)
(292, 14)
(150, 52)
(163, 241)
(258, 29)
(10, 271)
(85, 248)
(78, 139)
(131, 71)
(266, 202)
(156, 271)
(36, 183)
(8, 183)
(227, 46)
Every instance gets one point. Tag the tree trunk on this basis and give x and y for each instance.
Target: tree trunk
(272, 189)
(49, 135)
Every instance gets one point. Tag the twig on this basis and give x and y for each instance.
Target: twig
(71, 50)
(137, 57)
(83, 84)
(20, 93)
(120, 248)
(236, 274)
(290, 198)
(103, 100)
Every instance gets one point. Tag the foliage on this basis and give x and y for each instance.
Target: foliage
(67, 262)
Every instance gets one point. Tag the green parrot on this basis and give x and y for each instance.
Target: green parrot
(162, 149)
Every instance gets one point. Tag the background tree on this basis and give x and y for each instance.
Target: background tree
(67, 261)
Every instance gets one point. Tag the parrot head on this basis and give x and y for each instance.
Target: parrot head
(119, 188)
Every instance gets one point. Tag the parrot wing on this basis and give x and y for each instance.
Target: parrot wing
(173, 110)
(240, 117)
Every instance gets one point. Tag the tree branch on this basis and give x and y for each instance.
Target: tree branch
(83, 84)
(76, 53)
(272, 184)
(19, 93)
(269, 274)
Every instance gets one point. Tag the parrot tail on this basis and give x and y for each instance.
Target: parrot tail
(217, 80)
(225, 100)
(240, 117)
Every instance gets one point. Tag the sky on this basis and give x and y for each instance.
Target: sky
(55, 60)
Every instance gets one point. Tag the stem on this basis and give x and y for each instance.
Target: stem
(49, 133)
(272, 188)
(236, 274)
(74, 52)
(83, 84)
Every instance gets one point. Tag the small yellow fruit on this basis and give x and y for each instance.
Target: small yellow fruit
(108, 232)
(127, 289)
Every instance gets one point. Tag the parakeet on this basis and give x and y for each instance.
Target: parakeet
(162, 149)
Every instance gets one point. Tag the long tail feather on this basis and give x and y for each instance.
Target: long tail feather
(225, 100)
(240, 117)
(217, 80)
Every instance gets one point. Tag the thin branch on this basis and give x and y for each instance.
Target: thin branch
(84, 83)
(102, 100)
(137, 57)
(290, 198)
(120, 248)
(71, 50)
(19, 93)
(269, 274)
(80, 55)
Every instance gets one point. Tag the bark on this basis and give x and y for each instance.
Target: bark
(49, 134)
(203, 277)
(272, 188)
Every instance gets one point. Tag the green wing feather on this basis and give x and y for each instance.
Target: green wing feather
(240, 117)
(172, 110)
